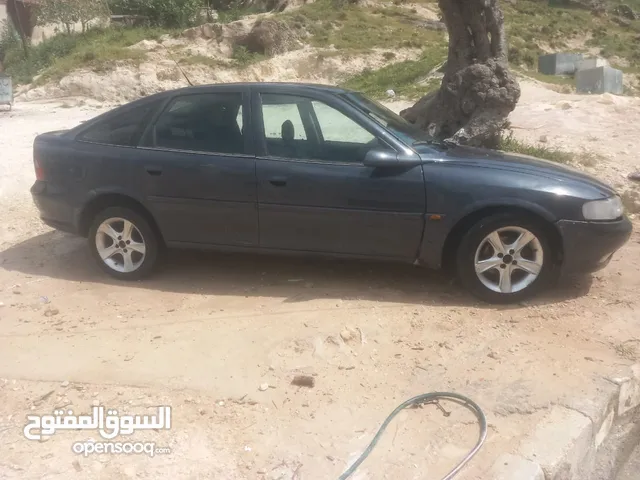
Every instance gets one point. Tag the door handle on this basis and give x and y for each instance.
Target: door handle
(278, 181)
(153, 170)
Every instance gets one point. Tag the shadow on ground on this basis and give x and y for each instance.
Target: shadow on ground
(60, 256)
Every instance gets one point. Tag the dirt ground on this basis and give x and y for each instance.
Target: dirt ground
(209, 330)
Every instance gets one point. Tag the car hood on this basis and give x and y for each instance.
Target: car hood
(526, 164)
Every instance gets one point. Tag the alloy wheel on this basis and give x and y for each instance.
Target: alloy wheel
(120, 245)
(509, 259)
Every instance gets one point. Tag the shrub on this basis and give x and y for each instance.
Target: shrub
(162, 13)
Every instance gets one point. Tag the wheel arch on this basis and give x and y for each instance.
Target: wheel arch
(546, 220)
(100, 201)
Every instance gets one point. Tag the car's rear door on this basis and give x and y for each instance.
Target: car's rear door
(315, 194)
(198, 171)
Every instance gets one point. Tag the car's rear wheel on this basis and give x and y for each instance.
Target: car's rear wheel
(123, 243)
(505, 258)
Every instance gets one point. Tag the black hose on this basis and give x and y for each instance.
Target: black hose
(421, 400)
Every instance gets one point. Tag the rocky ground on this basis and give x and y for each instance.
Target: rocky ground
(220, 337)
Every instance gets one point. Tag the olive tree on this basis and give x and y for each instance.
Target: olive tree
(478, 91)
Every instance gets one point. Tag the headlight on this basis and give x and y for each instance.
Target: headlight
(608, 209)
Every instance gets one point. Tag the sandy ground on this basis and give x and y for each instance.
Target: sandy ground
(206, 332)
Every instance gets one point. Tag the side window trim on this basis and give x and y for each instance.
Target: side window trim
(261, 136)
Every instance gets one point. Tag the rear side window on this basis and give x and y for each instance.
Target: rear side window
(122, 129)
(207, 122)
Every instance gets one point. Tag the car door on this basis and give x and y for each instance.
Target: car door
(315, 194)
(198, 170)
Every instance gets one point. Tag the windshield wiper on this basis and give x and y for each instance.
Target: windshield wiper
(441, 143)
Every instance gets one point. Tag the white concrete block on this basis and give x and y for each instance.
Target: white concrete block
(512, 467)
(589, 63)
(560, 443)
(629, 391)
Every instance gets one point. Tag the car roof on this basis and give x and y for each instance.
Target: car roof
(292, 86)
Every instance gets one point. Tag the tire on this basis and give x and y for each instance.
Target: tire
(529, 268)
(112, 236)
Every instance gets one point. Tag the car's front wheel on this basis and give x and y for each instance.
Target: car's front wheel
(505, 258)
(123, 243)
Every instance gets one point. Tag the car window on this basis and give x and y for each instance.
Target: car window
(337, 127)
(274, 117)
(121, 129)
(302, 128)
(210, 122)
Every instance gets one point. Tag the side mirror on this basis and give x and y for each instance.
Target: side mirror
(381, 158)
(388, 158)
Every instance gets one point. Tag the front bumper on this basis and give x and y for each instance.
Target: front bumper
(55, 208)
(589, 246)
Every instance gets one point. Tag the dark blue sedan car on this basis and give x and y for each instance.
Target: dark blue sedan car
(289, 168)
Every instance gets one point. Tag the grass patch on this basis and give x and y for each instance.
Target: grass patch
(509, 143)
(358, 28)
(96, 49)
(403, 77)
(530, 23)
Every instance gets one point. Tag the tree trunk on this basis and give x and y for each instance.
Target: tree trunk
(478, 92)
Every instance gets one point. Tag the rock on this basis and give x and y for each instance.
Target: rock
(564, 105)
(543, 139)
(221, 403)
(65, 383)
(77, 466)
(635, 176)
(1, 304)
(626, 12)
(270, 37)
(347, 335)
(96, 403)
(493, 355)
(304, 381)
(51, 312)
(262, 471)
(263, 387)
(391, 93)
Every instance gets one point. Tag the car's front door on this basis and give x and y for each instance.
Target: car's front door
(315, 194)
(199, 172)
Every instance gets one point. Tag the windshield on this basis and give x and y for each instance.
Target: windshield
(405, 131)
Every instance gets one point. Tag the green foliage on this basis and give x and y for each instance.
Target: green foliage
(160, 13)
(243, 57)
(69, 12)
(9, 39)
(509, 143)
(59, 55)
(404, 78)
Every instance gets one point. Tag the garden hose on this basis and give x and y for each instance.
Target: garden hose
(428, 398)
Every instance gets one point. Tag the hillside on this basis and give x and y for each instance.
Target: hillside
(373, 47)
